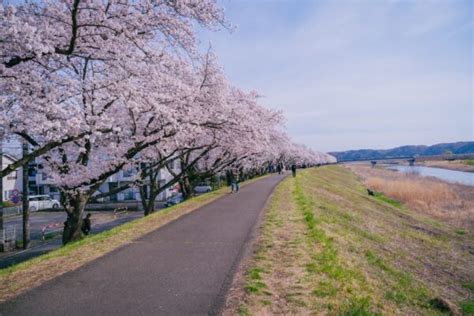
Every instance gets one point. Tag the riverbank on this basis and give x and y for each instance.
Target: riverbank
(326, 247)
(449, 202)
(458, 165)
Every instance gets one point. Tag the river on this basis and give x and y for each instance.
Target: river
(466, 178)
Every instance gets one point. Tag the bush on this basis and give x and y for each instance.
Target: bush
(8, 204)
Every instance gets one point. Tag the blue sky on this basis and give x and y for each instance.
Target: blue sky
(356, 74)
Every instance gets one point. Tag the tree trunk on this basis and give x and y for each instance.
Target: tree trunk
(74, 205)
(185, 188)
(25, 201)
(150, 207)
(144, 199)
(148, 203)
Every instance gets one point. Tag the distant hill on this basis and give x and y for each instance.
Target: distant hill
(405, 151)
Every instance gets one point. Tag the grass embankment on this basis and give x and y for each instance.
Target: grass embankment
(326, 247)
(27, 275)
(449, 202)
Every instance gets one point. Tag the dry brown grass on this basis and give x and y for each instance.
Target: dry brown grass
(453, 203)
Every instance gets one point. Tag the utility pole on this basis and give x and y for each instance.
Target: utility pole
(25, 202)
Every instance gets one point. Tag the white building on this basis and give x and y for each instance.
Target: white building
(12, 181)
(41, 183)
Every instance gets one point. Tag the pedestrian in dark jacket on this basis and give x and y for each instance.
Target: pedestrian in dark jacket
(293, 170)
(235, 178)
(237, 181)
(86, 224)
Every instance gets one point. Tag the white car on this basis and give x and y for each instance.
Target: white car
(202, 188)
(40, 202)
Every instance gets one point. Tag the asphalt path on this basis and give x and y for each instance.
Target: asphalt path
(183, 268)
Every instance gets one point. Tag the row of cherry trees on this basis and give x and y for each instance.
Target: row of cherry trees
(97, 86)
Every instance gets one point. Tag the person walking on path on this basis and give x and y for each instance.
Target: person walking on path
(86, 224)
(232, 180)
(293, 170)
(237, 183)
(235, 180)
(228, 177)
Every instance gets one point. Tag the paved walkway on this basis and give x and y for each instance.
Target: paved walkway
(183, 268)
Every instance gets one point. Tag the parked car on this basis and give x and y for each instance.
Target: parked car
(40, 202)
(178, 198)
(202, 188)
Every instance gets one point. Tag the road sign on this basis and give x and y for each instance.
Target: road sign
(15, 198)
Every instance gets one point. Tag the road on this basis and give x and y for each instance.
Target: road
(38, 220)
(183, 268)
(101, 221)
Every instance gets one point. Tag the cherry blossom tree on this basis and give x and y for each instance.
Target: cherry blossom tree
(98, 86)
(52, 50)
(89, 82)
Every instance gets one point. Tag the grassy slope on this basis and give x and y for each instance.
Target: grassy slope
(328, 248)
(27, 275)
(469, 162)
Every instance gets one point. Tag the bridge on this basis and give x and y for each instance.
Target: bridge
(379, 159)
(411, 160)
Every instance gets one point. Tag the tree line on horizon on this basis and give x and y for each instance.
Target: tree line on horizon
(456, 148)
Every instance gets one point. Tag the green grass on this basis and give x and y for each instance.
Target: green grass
(322, 216)
(358, 255)
(244, 311)
(376, 261)
(467, 307)
(67, 249)
(468, 285)
(326, 262)
(254, 276)
(254, 281)
(381, 197)
(404, 289)
(358, 306)
(265, 302)
(469, 162)
(8, 204)
(325, 288)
